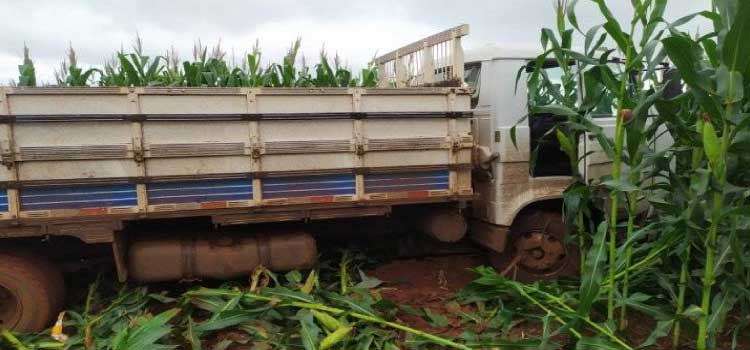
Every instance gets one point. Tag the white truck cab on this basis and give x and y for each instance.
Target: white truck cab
(498, 106)
(516, 211)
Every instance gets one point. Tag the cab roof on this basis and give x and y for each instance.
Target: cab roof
(501, 52)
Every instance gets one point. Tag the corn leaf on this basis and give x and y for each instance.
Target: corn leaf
(309, 331)
(147, 334)
(730, 85)
(593, 271)
(736, 46)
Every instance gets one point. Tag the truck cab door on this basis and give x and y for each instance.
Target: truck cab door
(596, 163)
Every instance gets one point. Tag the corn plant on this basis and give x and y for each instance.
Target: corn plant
(70, 74)
(696, 187)
(205, 70)
(715, 75)
(140, 70)
(559, 98)
(607, 80)
(26, 71)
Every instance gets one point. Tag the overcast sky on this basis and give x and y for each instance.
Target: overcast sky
(355, 29)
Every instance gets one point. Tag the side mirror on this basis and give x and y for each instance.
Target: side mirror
(674, 83)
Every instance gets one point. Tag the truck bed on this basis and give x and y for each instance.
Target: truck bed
(85, 159)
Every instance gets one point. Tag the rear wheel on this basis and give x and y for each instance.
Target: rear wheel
(537, 249)
(32, 291)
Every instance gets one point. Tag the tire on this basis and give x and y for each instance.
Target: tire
(32, 291)
(536, 249)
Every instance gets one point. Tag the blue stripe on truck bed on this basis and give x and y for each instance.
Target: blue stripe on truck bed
(4, 200)
(407, 181)
(77, 196)
(309, 186)
(199, 191)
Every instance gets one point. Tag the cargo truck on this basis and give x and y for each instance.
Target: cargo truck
(118, 172)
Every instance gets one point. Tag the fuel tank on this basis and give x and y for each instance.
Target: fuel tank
(219, 257)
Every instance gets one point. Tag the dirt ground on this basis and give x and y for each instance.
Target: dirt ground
(428, 283)
(432, 282)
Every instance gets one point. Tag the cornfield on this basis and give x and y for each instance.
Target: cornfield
(683, 264)
(205, 70)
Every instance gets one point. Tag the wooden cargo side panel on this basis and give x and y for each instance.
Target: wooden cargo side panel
(407, 184)
(389, 100)
(69, 101)
(93, 152)
(44, 201)
(8, 197)
(406, 142)
(74, 150)
(306, 145)
(193, 102)
(330, 100)
(200, 194)
(309, 189)
(174, 148)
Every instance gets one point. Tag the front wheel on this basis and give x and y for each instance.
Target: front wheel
(32, 291)
(537, 249)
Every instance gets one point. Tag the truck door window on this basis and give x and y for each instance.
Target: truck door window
(472, 77)
(549, 160)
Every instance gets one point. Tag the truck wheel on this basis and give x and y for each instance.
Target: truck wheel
(32, 291)
(537, 249)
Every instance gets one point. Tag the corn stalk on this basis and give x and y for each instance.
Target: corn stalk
(287, 302)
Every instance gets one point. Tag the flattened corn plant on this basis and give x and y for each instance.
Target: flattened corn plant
(334, 306)
(683, 262)
(205, 70)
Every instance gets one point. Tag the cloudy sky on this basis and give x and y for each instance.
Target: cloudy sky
(355, 29)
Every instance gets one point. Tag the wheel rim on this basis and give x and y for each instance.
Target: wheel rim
(9, 308)
(540, 253)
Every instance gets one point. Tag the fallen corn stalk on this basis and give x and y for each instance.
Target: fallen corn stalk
(204, 292)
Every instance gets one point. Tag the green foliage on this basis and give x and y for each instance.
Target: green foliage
(205, 70)
(682, 260)
(27, 74)
(145, 334)
(71, 75)
(272, 312)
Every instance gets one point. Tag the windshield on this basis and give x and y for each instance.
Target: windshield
(472, 77)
